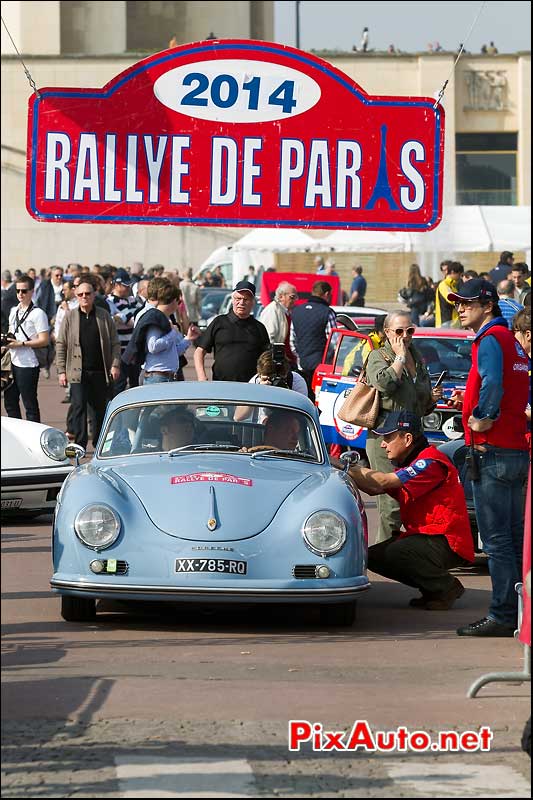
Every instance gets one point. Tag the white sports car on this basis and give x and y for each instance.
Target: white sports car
(34, 466)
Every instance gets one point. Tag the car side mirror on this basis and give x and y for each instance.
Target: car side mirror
(75, 451)
(350, 457)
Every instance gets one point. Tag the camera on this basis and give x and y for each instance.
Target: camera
(472, 465)
(6, 338)
(279, 377)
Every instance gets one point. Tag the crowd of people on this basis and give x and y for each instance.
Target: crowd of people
(110, 328)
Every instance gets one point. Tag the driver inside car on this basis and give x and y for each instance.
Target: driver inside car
(178, 429)
(282, 432)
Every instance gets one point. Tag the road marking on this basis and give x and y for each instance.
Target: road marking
(431, 779)
(145, 776)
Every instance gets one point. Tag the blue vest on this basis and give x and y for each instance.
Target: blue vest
(309, 321)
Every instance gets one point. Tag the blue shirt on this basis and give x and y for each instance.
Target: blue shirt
(509, 308)
(359, 286)
(163, 352)
(490, 368)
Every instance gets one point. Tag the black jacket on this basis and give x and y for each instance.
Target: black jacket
(135, 352)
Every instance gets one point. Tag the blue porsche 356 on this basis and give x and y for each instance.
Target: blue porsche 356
(209, 493)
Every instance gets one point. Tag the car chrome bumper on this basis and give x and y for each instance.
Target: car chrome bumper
(200, 594)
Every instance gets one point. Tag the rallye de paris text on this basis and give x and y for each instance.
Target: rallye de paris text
(141, 168)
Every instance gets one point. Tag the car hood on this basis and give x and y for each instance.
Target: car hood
(236, 498)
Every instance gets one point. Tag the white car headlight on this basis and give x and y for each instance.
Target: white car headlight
(432, 422)
(324, 532)
(97, 526)
(53, 443)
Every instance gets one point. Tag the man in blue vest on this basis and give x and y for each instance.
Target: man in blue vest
(437, 535)
(311, 325)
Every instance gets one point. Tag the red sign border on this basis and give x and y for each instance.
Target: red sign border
(215, 49)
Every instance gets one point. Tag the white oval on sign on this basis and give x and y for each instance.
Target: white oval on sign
(236, 90)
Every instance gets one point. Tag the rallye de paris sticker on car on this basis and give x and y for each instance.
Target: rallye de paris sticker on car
(217, 477)
(235, 132)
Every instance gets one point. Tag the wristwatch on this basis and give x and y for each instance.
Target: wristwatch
(401, 359)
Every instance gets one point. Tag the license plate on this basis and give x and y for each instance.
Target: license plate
(211, 565)
(14, 502)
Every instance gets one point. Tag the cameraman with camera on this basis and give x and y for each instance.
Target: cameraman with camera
(273, 369)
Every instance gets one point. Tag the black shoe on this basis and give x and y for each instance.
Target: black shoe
(446, 600)
(486, 627)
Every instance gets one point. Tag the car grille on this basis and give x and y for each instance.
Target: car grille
(304, 571)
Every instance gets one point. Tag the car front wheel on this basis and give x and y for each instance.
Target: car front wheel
(338, 614)
(78, 609)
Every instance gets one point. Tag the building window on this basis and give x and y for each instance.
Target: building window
(486, 166)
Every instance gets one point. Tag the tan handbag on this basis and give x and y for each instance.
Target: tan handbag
(361, 406)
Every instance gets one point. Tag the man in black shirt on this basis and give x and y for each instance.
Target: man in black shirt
(236, 338)
(88, 358)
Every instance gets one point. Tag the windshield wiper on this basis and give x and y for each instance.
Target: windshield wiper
(288, 453)
(193, 447)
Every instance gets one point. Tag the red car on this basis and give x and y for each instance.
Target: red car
(443, 350)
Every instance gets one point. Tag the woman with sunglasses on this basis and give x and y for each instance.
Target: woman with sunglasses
(30, 329)
(398, 372)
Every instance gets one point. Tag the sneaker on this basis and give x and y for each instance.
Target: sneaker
(486, 627)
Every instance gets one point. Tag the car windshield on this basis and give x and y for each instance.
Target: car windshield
(177, 428)
(211, 301)
(439, 353)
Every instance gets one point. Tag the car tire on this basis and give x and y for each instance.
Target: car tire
(526, 738)
(78, 609)
(338, 615)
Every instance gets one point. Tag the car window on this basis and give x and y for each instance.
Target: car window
(161, 427)
(440, 353)
(351, 355)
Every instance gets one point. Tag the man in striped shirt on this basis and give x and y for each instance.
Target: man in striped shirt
(122, 306)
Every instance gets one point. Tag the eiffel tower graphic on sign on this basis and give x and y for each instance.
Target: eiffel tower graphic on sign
(382, 190)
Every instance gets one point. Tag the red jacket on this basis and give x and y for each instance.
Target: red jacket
(509, 430)
(441, 510)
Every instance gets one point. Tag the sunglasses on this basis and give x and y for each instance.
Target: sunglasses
(400, 331)
(22, 291)
(465, 304)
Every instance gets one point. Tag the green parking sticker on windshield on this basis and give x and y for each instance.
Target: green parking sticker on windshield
(212, 411)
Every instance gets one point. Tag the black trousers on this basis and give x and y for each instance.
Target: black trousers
(128, 373)
(94, 391)
(25, 380)
(419, 560)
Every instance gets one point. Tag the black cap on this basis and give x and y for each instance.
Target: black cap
(245, 286)
(122, 277)
(404, 421)
(475, 289)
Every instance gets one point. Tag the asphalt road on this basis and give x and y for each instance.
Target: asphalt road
(163, 701)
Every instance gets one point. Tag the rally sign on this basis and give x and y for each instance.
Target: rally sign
(235, 133)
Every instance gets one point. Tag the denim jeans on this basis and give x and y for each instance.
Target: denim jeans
(499, 503)
(159, 378)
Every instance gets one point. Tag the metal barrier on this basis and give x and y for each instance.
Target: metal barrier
(508, 677)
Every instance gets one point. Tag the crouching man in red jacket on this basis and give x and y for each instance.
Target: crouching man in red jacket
(437, 534)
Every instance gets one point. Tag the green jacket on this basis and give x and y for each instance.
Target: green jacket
(396, 394)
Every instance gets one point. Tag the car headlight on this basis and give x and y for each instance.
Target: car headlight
(97, 526)
(433, 421)
(324, 532)
(53, 443)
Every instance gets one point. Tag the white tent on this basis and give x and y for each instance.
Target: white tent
(471, 229)
(366, 242)
(257, 248)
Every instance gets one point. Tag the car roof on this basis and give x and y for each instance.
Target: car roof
(444, 333)
(213, 391)
(359, 311)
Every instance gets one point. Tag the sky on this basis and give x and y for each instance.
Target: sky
(408, 26)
